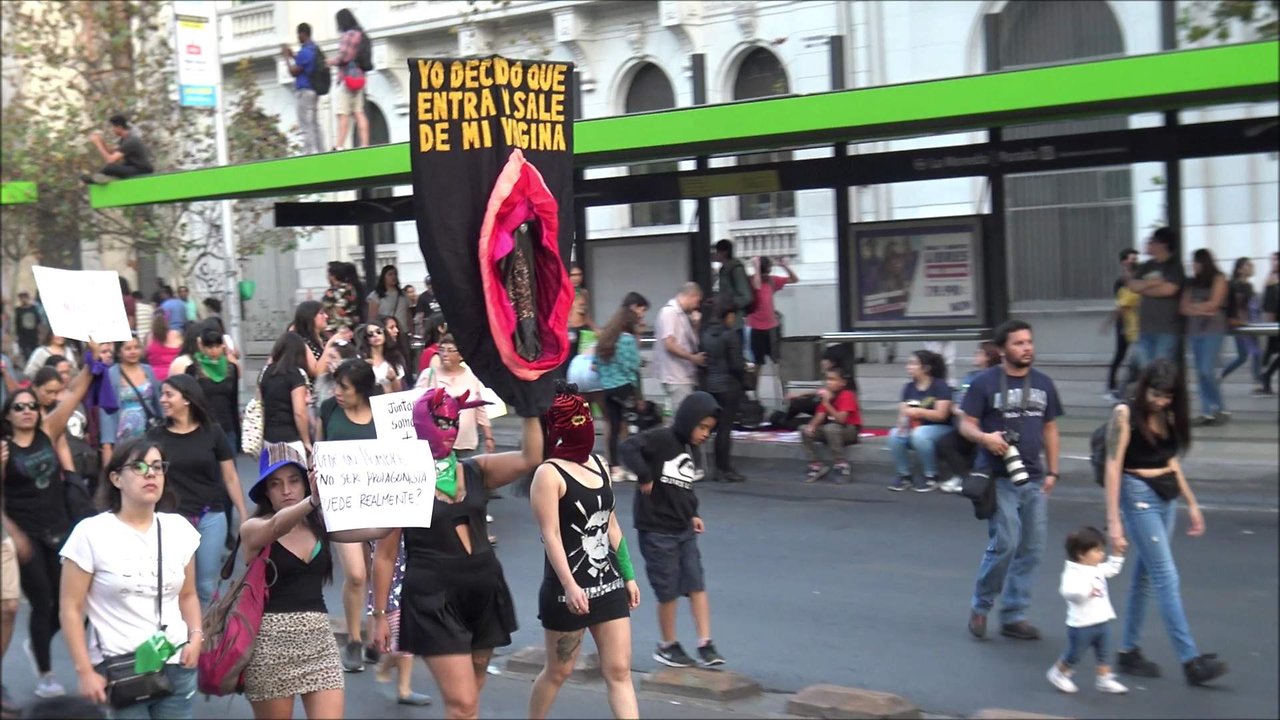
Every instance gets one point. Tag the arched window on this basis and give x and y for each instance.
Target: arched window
(651, 90)
(760, 75)
(1063, 229)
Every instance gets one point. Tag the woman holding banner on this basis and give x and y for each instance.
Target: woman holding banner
(295, 652)
(348, 416)
(456, 607)
(588, 581)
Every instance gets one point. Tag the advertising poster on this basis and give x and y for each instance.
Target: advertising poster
(196, 45)
(915, 273)
(491, 148)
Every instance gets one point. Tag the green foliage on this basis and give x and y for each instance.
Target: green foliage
(1216, 20)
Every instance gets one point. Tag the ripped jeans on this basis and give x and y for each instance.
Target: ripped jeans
(1148, 525)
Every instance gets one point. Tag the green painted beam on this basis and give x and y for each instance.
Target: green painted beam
(1188, 78)
(18, 193)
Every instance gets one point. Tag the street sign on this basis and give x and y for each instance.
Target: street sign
(196, 43)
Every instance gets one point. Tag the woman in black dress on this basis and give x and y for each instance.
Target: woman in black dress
(588, 581)
(455, 607)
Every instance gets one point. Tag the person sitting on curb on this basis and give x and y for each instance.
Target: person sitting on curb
(837, 422)
(130, 157)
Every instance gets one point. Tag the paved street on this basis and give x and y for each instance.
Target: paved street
(862, 587)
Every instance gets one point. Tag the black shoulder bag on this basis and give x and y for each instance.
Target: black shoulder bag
(153, 422)
(126, 686)
(980, 487)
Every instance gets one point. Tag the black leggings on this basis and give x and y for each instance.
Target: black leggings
(729, 402)
(41, 580)
(1122, 348)
(615, 405)
(1270, 360)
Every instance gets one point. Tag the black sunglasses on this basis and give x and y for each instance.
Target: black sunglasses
(20, 406)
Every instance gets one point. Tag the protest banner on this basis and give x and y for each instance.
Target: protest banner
(83, 303)
(375, 483)
(393, 414)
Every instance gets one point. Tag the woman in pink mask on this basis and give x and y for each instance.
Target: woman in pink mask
(588, 582)
(455, 607)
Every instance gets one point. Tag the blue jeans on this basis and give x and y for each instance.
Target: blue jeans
(924, 439)
(1206, 349)
(1017, 538)
(1148, 524)
(213, 542)
(1157, 345)
(1080, 639)
(1246, 349)
(175, 707)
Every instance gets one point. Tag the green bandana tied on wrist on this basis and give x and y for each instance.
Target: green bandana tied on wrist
(447, 475)
(624, 561)
(215, 370)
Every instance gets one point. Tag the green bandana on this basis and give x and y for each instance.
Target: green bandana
(447, 475)
(215, 370)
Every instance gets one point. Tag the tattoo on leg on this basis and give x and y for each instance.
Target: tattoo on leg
(567, 644)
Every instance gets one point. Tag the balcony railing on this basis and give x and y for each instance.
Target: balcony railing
(764, 242)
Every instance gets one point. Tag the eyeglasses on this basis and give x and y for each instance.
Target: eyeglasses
(158, 467)
(447, 423)
(20, 406)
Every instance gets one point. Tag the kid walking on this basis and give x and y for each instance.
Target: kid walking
(1089, 611)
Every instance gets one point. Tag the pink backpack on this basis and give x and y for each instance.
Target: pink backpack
(230, 626)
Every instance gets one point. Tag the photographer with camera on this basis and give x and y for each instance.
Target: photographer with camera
(1009, 413)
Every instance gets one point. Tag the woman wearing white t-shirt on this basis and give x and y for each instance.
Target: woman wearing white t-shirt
(109, 570)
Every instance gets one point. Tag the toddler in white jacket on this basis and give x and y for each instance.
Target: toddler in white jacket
(1089, 611)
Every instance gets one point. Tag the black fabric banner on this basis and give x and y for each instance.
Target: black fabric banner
(492, 157)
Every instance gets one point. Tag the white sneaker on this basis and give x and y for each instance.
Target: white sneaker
(954, 485)
(1062, 680)
(1108, 684)
(49, 687)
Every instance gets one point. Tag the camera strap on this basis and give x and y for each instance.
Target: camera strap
(1026, 396)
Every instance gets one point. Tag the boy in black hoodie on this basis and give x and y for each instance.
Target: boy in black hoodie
(666, 514)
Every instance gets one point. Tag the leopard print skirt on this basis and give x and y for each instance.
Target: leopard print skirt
(295, 654)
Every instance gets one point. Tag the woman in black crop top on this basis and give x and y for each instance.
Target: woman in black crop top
(455, 607)
(295, 652)
(588, 581)
(1143, 483)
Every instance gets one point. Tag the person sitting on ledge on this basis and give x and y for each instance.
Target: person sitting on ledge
(130, 157)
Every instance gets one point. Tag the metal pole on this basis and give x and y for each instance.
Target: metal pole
(231, 308)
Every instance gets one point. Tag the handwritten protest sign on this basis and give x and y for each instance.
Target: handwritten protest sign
(375, 483)
(83, 303)
(393, 414)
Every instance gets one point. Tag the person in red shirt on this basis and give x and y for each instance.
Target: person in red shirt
(762, 322)
(836, 423)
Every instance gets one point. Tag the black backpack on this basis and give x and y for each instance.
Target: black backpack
(364, 53)
(319, 77)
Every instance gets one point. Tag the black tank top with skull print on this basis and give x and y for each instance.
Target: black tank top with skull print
(584, 533)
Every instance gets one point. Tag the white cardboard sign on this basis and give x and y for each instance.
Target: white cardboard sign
(83, 303)
(393, 414)
(375, 483)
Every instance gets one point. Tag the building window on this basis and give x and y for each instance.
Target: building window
(651, 90)
(760, 75)
(1063, 229)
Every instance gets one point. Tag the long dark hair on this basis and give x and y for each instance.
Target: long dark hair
(382, 280)
(434, 322)
(191, 339)
(1208, 271)
(304, 320)
(623, 321)
(264, 509)
(6, 429)
(131, 451)
(933, 363)
(393, 350)
(346, 20)
(288, 356)
(189, 388)
(1238, 267)
(1162, 376)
